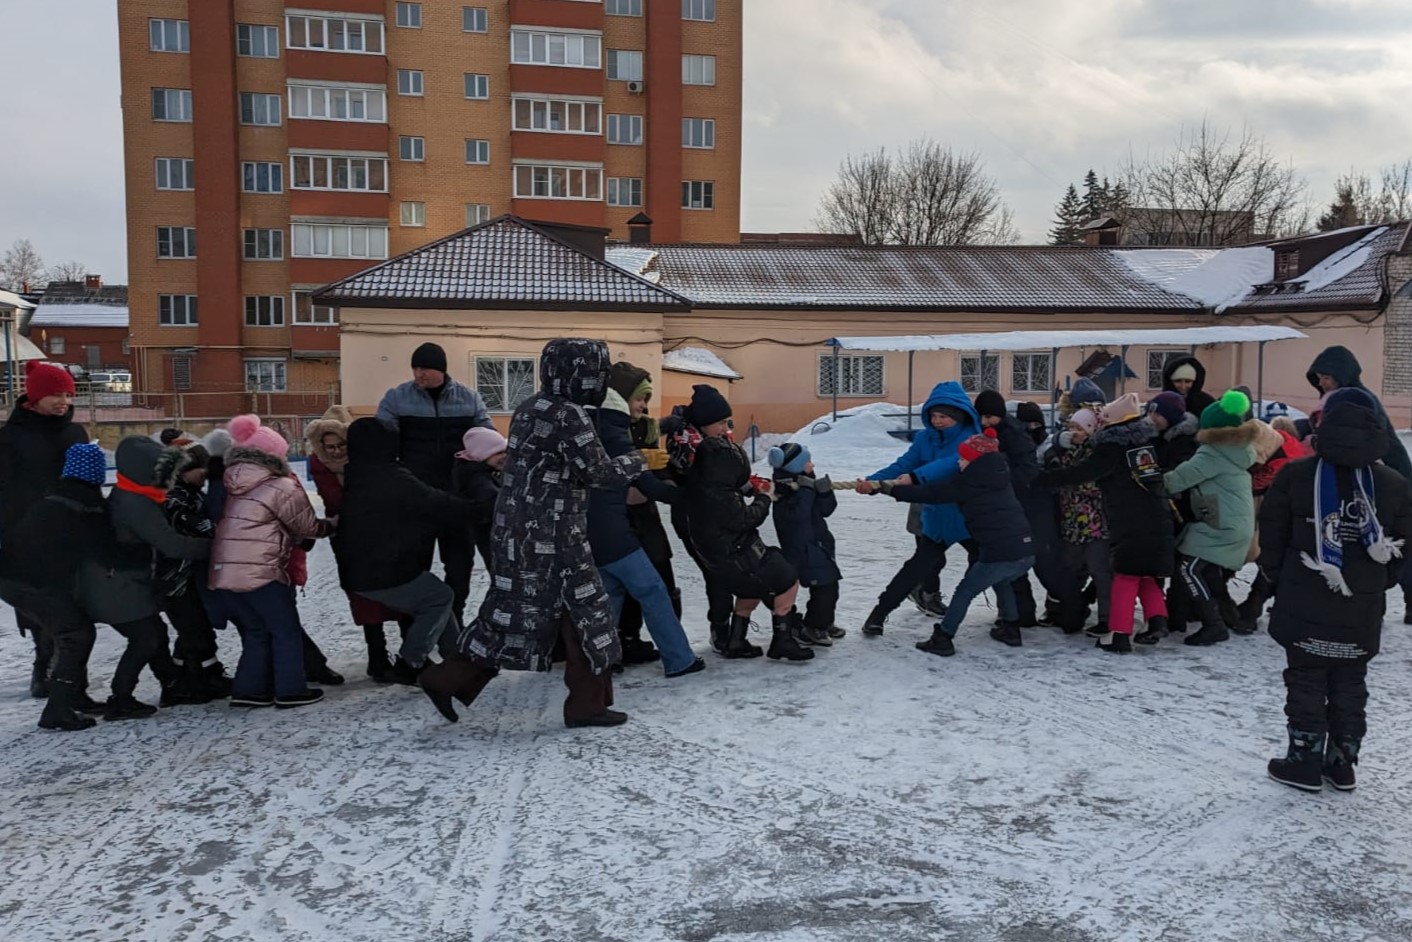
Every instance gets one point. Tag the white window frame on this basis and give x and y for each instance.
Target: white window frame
(537, 115)
(309, 314)
(57, 345)
(187, 241)
(359, 174)
(322, 240)
(539, 47)
(412, 214)
(476, 86)
(256, 110)
(625, 129)
(698, 69)
(252, 170)
(1166, 357)
(853, 374)
(337, 103)
(278, 375)
(411, 148)
(246, 45)
(477, 151)
(698, 195)
(1031, 358)
(540, 182)
(173, 101)
(411, 83)
(475, 20)
(408, 15)
(176, 310)
(622, 7)
(497, 399)
(334, 34)
(262, 245)
(699, 11)
(164, 34)
(477, 213)
(179, 173)
(623, 65)
(268, 308)
(616, 186)
(698, 133)
(971, 363)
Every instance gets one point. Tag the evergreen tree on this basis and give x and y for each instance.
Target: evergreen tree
(1095, 200)
(1342, 212)
(1068, 216)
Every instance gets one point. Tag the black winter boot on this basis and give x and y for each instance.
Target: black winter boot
(1116, 642)
(214, 681)
(737, 646)
(1230, 612)
(179, 686)
(403, 673)
(59, 712)
(1154, 631)
(637, 651)
(126, 708)
(1008, 633)
(39, 680)
(939, 643)
(379, 664)
(783, 643)
(1302, 766)
(720, 635)
(1340, 756)
(1213, 627)
(873, 626)
(44, 656)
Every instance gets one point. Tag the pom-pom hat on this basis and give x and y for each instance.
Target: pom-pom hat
(1228, 411)
(790, 457)
(977, 445)
(246, 431)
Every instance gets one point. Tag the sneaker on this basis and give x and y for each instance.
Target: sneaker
(929, 603)
(126, 708)
(606, 718)
(817, 636)
(312, 695)
(251, 701)
(1008, 633)
(873, 626)
(836, 632)
(695, 666)
(1099, 630)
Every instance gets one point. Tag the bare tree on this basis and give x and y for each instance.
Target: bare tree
(22, 267)
(68, 271)
(1395, 200)
(1215, 188)
(926, 196)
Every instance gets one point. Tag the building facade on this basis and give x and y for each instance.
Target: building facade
(299, 141)
(82, 324)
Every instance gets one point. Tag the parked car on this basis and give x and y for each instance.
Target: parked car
(110, 381)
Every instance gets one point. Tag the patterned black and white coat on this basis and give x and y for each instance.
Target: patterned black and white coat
(543, 566)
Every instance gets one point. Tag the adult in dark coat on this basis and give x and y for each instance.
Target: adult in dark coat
(803, 504)
(32, 446)
(1337, 368)
(546, 586)
(1186, 377)
(431, 413)
(1319, 515)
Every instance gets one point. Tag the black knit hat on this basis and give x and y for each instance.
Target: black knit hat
(429, 356)
(990, 402)
(625, 379)
(1029, 412)
(707, 406)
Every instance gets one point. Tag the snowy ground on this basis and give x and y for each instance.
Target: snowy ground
(1046, 794)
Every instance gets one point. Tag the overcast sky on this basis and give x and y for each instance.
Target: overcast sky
(1042, 89)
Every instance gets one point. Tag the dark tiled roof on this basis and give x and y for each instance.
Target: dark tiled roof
(507, 262)
(1361, 287)
(969, 278)
(76, 292)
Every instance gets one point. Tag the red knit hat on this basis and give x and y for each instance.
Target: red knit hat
(977, 445)
(45, 379)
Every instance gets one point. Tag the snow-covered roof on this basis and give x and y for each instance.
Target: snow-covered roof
(1050, 339)
(1351, 277)
(698, 361)
(1213, 277)
(79, 315)
(8, 299)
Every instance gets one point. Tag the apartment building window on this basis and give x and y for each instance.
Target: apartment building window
(572, 50)
(176, 173)
(1029, 372)
(625, 129)
(335, 103)
(505, 382)
(562, 117)
(169, 35)
(477, 86)
(1157, 361)
(265, 310)
(850, 375)
(704, 10)
(331, 172)
(412, 148)
(478, 152)
(264, 245)
(261, 177)
(414, 214)
(176, 242)
(256, 41)
(698, 194)
(474, 20)
(625, 65)
(309, 314)
(171, 104)
(338, 241)
(477, 213)
(409, 15)
(698, 70)
(978, 374)
(176, 310)
(259, 109)
(622, 7)
(265, 376)
(558, 183)
(334, 34)
(409, 82)
(624, 191)
(698, 132)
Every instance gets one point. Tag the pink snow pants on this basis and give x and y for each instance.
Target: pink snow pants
(1126, 591)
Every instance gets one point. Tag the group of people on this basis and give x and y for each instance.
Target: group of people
(1123, 503)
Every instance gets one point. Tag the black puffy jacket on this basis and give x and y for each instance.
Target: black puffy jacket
(32, 448)
(723, 518)
(610, 531)
(63, 530)
(986, 496)
(1343, 366)
(800, 513)
(430, 425)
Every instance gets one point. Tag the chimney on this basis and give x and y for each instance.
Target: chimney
(93, 282)
(640, 229)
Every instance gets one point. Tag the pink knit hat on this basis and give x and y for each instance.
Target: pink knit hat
(481, 443)
(1085, 419)
(1120, 410)
(247, 432)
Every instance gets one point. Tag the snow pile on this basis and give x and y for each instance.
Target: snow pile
(1338, 265)
(634, 261)
(1217, 278)
(858, 443)
(697, 360)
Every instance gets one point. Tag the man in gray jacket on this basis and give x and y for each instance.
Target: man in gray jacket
(431, 414)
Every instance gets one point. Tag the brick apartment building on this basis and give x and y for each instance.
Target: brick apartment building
(299, 139)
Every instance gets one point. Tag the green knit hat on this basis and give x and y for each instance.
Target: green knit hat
(1228, 411)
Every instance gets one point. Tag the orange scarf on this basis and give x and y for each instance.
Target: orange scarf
(157, 494)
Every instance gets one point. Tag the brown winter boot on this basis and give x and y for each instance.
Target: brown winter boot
(456, 677)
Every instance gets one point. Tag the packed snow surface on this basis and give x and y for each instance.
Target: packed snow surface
(1043, 794)
(697, 360)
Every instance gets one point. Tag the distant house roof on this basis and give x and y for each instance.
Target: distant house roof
(13, 302)
(1350, 278)
(505, 263)
(78, 304)
(699, 362)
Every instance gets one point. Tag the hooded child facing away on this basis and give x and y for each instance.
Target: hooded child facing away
(803, 503)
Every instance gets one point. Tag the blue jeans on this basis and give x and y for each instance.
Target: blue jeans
(272, 643)
(979, 577)
(635, 575)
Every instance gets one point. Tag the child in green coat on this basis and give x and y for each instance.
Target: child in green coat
(1218, 479)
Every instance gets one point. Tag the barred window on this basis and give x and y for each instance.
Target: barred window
(850, 375)
(1029, 372)
(1157, 361)
(504, 382)
(976, 376)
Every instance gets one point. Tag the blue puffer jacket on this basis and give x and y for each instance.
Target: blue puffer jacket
(933, 457)
(430, 427)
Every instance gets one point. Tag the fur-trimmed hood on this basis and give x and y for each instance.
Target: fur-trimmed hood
(1247, 433)
(1189, 425)
(246, 468)
(1268, 440)
(1137, 431)
(335, 421)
